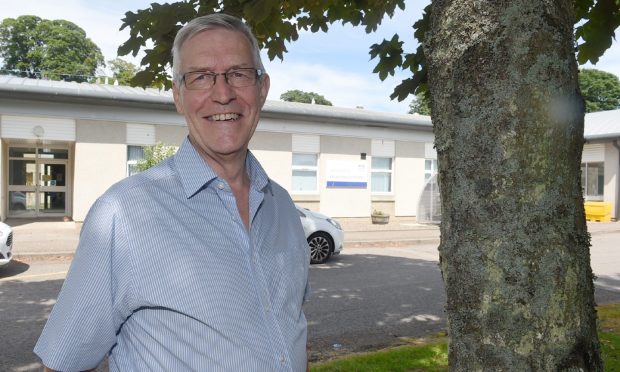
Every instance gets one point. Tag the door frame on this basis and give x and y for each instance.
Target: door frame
(38, 188)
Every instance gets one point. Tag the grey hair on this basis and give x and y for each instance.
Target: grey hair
(210, 22)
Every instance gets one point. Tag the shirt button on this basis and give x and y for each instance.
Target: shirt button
(220, 186)
(282, 360)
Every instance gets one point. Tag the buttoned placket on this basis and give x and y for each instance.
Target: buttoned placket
(228, 200)
(257, 198)
(251, 251)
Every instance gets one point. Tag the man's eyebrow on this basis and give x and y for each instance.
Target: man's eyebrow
(208, 69)
(199, 69)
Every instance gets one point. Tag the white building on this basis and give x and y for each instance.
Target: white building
(63, 144)
(600, 162)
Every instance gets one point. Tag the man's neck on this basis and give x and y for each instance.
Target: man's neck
(230, 168)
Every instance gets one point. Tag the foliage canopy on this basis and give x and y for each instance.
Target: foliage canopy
(420, 105)
(39, 48)
(304, 97)
(122, 71)
(276, 23)
(600, 90)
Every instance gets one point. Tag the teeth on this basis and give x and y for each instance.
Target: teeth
(220, 117)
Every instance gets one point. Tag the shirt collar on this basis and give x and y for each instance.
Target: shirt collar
(195, 173)
(258, 177)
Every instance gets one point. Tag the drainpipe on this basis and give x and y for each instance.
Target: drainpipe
(615, 143)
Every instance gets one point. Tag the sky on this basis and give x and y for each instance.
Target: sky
(335, 64)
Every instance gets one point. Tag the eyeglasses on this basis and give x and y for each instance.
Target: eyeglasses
(237, 78)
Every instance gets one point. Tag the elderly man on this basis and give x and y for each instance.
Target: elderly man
(199, 263)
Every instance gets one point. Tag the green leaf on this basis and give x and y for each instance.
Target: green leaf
(259, 10)
(597, 32)
(390, 55)
(409, 86)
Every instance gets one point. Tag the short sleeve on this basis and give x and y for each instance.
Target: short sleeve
(82, 326)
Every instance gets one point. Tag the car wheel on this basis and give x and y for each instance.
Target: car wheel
(321, 247)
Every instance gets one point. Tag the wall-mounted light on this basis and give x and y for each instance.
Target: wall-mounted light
(38, 131)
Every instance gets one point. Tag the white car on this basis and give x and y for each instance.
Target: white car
(6, 244)
(325, 235)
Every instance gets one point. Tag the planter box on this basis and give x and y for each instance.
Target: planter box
(380, 219)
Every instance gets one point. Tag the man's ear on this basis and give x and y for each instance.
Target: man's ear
(264, 89)
(178, 99)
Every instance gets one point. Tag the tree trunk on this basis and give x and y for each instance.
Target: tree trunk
(508, 121)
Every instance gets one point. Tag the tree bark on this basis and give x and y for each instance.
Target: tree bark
(508, 122)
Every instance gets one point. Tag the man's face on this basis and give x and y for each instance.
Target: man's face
(221, 119)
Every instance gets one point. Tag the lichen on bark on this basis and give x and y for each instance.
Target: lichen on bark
(508, 121)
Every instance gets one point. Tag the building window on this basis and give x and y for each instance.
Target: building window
(305, 172)
(430, 168)
(592, 181)
(381, 175)
(134, 155)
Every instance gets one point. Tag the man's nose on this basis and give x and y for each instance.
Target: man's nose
(221, 91)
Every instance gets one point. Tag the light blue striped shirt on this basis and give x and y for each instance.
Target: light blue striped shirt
(167, 278)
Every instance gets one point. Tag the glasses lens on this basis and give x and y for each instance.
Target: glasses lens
(198, 80)
(241, 77)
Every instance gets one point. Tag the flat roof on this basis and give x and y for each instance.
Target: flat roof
(61, 91)
(599, 126)
(602, 125)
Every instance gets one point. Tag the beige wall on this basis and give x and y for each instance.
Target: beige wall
(409, 177)
(345, 146)
(94, 131)
(97, 167)
(312, 205)
(612, 186)
(383, 205)
(343, 202)
(277, 164)
(271, 141)
(100, 161)
(273, 151)
(170, 135)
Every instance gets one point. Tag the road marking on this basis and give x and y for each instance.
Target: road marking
(19, 277)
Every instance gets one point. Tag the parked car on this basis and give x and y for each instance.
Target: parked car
(6, 244)
(325, 235)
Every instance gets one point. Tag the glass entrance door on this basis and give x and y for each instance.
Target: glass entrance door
(52, 190)
(37, 181)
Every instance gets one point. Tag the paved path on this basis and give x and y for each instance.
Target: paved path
(54, 237)
(57, 237)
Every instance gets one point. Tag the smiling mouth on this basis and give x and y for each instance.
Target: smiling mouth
(223, 117)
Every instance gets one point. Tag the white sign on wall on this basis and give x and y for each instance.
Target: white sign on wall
(347, 173)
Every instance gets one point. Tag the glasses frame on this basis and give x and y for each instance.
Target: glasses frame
(258, 73)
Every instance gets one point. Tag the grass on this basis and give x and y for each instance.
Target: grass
(609, 334)
(432, 355)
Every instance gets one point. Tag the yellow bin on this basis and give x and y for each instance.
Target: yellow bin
(598, 211)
